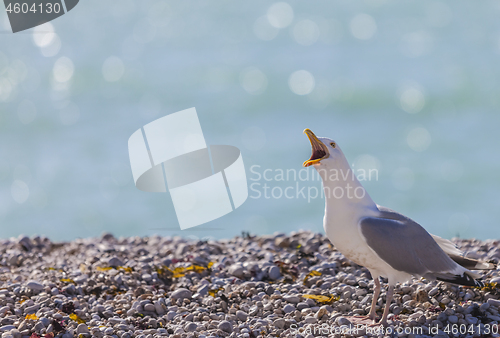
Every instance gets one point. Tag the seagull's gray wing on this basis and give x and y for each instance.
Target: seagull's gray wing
(448, 247)
(405, 245)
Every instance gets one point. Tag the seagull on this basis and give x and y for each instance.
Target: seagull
(384, 241)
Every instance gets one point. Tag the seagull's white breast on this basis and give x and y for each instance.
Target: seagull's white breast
(343, 230)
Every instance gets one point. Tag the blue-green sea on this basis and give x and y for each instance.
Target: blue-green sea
(410, 89)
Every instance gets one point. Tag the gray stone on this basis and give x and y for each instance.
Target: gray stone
(471, 320)
(494, 302)
(171, 315)
(25, 243)
(237, 270)
(31, 309)
(182, 248)
(38, 326)
(279, 323)
(274, 273)
(484, 307)
(153, 323)
(494, 318)
(149, 307)
(23, 326)
(302, 305)
(397, 309)
(242, 315)
(115, 262)
(203, 290)
(433, 291)
(114, 320)
(406, 289)
(122, 327)
(343, 321)
(82, 328)
(45, 321)
(288, 308)
(321, 312)
(158, 308)
(15, 333)
(181, 294)
(7, 321)
(100, 308)
(225, 326)
(310, 320)
(190, 327)
(253, 310)
(108, 313)
(292, 298)
(107, 236)
(81, 279)
(34, 285)
(69, 289)
(442, 317)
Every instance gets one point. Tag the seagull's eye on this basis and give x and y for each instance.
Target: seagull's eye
(332, 144)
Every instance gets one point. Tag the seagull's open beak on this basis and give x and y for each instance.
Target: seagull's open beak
(319, 150)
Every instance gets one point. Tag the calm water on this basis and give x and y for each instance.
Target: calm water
(409, 89)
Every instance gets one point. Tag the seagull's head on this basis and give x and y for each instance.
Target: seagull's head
(324, 150)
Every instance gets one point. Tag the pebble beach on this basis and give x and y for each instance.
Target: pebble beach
(281, 285)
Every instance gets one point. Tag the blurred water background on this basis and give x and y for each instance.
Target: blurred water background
(410, 88)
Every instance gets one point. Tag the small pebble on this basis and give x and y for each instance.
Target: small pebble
(494, 302)
(115, 262)
(190, 327)
(149, 307)
(181, 294)
(274, 273)
(292, 299)
(279, 323)
(82, 328)
(33, 285)
(225, 326)
(343, 321)
(242, 315)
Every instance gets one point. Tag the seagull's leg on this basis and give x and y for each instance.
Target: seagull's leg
(376, 293)
(388, 300)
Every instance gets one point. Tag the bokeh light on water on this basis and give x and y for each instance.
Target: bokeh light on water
(408, 88)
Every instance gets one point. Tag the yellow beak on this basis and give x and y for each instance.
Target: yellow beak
(319, 150)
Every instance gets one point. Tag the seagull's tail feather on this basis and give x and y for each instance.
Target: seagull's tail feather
(466, 279)
(452, 250)
(472, 264)
(448, 246)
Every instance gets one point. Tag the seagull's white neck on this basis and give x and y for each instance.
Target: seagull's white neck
(345, 198)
